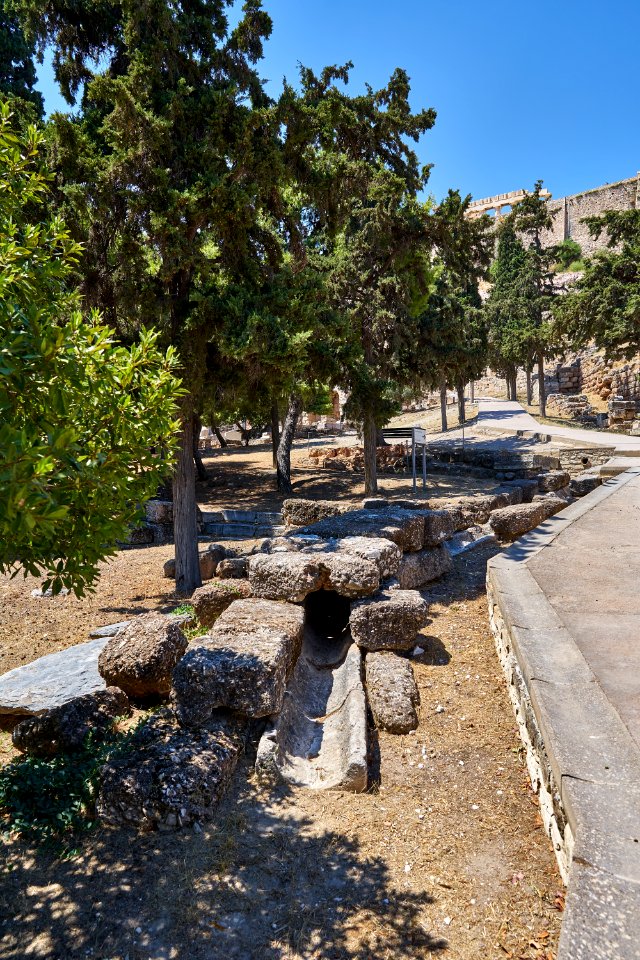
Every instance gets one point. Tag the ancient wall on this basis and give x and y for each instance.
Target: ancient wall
(569, 211)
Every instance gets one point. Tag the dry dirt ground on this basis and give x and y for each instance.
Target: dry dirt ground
(444, 855)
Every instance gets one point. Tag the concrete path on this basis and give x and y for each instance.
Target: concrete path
(507, 416)
(565, 613)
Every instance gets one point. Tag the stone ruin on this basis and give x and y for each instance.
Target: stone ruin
(311, 626)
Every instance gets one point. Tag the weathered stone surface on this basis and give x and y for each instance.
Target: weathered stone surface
(285, 576)
(319, 740)
(553, 480)
(234, 568)
(417, 569)
(170, 777)
(509, 523)
(389, 620)
(439, 525)
(552, 504)
(506, 496)
(403, 527)
(141, 657)
(65, 728)
(139, 536)
(159, 511)
(109, 630)
(469, 539)
(350, 575)
(297, 513)
(391, 691)
(242, 664)
(375, 503)
(584, 483)
(52, 680)
(212, 599)
(529, 488)
(384, 553)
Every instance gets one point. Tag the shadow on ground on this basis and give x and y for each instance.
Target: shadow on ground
(265, 881)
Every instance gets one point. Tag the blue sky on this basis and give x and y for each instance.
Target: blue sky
(523, 90)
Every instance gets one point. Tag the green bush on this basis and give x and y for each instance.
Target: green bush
(46, 800)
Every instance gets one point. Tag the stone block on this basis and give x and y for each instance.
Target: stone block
(159, 511)
(403, 527)
(213, 599)
(298, 513)
(233, 568)
(65, 728)
(584, 483)
(141, 657)
(391, 691)
(416, 569)
(553, 480)
(169, 777)
(285, 576)
(52, 680)
(388, 621)
(509, 523)
(242, 664)
(439, 525)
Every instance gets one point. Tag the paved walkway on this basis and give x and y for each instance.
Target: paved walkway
(507, 416)
(565, 612)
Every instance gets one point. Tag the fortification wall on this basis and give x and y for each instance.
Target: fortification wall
(568, 212)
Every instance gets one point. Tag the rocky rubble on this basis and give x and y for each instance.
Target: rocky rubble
(65, 728)
(169, 777)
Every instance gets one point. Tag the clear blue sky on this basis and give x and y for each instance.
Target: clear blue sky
(523, 90)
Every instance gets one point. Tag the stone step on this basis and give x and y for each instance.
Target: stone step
(617, 465)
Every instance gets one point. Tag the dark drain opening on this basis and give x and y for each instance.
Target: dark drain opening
(326, 629)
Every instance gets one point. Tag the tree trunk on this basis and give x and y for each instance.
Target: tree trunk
(529, 388)
(472, 391)
(514, 385)
(275, 432)
(369, 437)
(443, 405)
(221, 440)
(185, 528)
(541, 388)
(201, 470)
(508, 378)
(380, 440)
(286, 442)
(461, 408)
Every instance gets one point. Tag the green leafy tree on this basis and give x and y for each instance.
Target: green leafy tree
(604, 305)
(17, 69)
(164, 175)
(506, 308)
(79, 414)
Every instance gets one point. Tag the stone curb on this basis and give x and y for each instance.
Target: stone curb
(583, 762)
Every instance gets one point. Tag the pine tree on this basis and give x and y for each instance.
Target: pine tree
(17, 69)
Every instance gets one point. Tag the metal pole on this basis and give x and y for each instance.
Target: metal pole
(424, 466)
(413, 458)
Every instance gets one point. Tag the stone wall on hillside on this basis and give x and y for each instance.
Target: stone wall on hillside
(588, 372)
(568, 212)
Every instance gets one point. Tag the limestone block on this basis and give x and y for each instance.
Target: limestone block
(209, 560)
(439, 525)
(159, 511)
(170, 777)
(213, 598)
(297, 513)
(403, 527)
(52, 680)
(285, 576)
(389, 620)
(141, 657)
(242, 664)
(65, 728)
(417, 569)
(391, 691)
(509, 523)
(553, 480)
(584, 483)
(233, 568)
